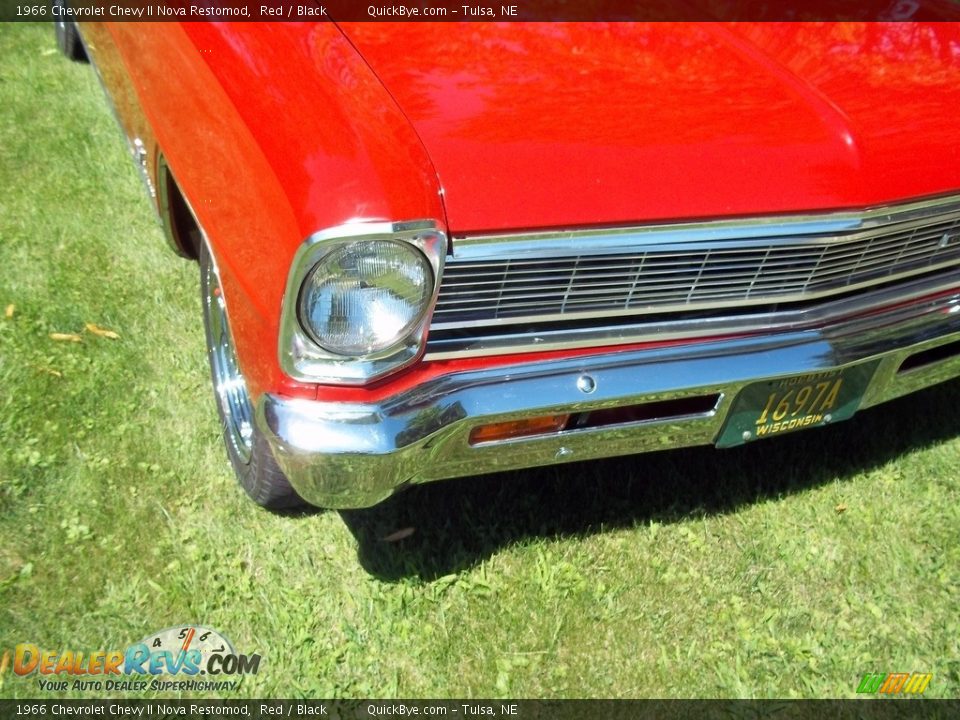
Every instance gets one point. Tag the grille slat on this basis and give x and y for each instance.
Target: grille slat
(451, 284)
(738, 272)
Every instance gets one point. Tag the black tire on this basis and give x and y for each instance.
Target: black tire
(68, 37)
(253, 463)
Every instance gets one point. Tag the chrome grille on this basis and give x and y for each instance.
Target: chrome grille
(656, 279)
(528, 284)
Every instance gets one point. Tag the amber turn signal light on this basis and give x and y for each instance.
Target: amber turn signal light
(518, 428)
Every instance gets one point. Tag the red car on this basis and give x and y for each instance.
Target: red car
(437, 250)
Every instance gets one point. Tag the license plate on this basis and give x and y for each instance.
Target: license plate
(774, 407)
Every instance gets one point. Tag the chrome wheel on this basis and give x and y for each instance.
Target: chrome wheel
(228, 382)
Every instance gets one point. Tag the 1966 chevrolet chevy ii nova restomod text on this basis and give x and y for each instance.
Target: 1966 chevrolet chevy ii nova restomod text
(436, 250)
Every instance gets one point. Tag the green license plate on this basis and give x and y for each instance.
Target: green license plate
(774, 407)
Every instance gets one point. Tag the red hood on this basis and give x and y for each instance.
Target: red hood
(550, 125)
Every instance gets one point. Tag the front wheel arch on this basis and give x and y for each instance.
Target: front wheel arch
(176, 216)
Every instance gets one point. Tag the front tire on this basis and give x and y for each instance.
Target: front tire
(68, 37)
(250, 455)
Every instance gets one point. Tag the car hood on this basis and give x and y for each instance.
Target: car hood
(535, 125)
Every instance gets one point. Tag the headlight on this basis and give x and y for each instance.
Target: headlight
(358, 301)
(364, 297)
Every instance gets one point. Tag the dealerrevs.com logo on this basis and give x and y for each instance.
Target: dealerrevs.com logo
(170, 660)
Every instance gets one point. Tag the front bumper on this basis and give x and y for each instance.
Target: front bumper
(343, 455)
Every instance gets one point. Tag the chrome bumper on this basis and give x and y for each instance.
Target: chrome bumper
(342, 455)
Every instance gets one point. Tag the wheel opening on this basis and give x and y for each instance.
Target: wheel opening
(179, 225)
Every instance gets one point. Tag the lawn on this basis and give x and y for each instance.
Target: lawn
(787, 568)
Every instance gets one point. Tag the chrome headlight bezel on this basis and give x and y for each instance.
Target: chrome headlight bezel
(302, 358)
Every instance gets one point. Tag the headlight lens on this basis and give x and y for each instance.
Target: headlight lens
(365, 297)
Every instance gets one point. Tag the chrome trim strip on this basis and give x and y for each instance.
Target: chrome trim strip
(606, 241)
(357, 454)
(610, 335)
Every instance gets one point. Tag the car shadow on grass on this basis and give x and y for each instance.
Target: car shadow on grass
(458, 523)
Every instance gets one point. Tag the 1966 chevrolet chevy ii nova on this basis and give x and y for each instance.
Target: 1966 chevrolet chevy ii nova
(437, 250)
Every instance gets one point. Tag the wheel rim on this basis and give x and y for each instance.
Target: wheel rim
(228, 382)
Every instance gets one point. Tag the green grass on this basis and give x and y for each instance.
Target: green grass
(696, 573)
